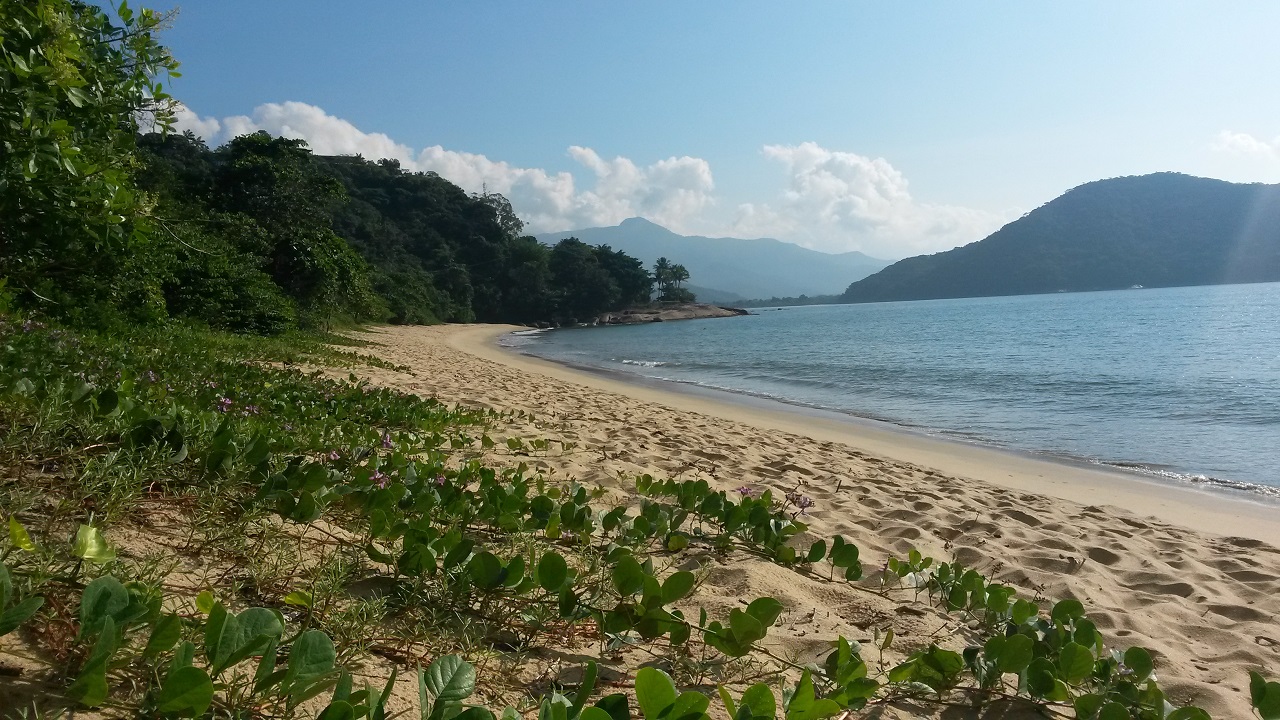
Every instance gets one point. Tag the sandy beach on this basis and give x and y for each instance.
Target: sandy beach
(1192, 575)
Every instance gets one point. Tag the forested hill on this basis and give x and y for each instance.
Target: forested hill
(260, 235)
(1156, 230)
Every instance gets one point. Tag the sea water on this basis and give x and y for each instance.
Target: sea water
(1181, 382)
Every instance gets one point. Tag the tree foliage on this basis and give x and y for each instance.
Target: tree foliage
(73, 85)
(100, 220)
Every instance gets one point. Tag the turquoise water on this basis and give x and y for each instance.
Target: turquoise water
(1182, 382)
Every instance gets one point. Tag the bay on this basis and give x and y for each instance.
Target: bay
(1178, 382)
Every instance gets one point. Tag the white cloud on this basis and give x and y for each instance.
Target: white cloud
(837, 201)
(832, 201)
(670, 192)
(1238, 143)
(185, 119)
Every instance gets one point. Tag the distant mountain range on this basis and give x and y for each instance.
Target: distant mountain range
(1156, 230)
(727, 270)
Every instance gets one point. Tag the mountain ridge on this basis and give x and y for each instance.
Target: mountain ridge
(1158, 230)
(745, 268)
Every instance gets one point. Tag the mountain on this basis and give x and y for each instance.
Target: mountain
(729, 267)
(1156, 230)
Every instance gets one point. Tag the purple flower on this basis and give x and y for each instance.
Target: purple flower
(288, 427)
(333, 454)
(378, 478)
(801, 502)
(151, 376)
(440, 480)
(746, 491)
(224, 404)
(251, 410)
(386, 441)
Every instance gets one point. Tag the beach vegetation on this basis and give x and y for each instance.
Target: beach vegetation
(210, 513)
(291, 488)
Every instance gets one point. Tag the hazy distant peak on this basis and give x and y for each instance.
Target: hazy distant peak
(639, 222)
(726, 267)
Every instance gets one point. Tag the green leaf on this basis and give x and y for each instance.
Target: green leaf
(1066, 611)
(1041, 677)
(90, 545)
(90, 687)
(727, 700)
(13, 617)
(628, 576)
(312, 655)
(845, 555)
(165, 634)
(204, 601)
(615, 705)
(760, 700)
(298, 598)
(1139, 661)
(18, 536)
(745, 627)
(1087, 706)
(187, 692)
(1017, 653)
(655, 692)
(817, 551)
(1265, 696)
(450, 679)
(1076, 662)
(594, 713)
(338, 710)
(486, 570)
(1113, 711)
(677, 586)
(103, 599)
(552, 572)
(766, 610)
(688, 706)
(584, 688)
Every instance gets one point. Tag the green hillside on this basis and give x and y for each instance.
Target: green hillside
(1156, 230)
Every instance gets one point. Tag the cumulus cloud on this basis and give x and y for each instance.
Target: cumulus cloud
(837, 201)
(829, 200)
(1238, 143)
(671, 192)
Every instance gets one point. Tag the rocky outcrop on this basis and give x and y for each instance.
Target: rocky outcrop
(667, 312)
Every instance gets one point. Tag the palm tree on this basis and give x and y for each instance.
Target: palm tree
(662, 275)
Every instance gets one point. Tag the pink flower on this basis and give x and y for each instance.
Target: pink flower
(378, 478)
(746, 491)
(386, 441)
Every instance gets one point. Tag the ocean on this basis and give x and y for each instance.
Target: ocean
(1182, 383)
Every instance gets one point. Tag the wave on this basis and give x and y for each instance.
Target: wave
(645, 363)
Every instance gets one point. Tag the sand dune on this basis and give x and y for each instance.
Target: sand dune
(1193, 577)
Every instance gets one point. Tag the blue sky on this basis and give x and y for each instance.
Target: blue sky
(891, 128)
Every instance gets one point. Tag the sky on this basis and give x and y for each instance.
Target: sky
(894, 129)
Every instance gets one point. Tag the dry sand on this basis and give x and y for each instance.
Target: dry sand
(1193, 576)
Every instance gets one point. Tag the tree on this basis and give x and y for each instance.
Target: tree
(74, 234)
(669, 278)
(584, 288)
(662, 275)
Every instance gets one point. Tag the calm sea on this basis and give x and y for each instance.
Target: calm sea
(1181, 382)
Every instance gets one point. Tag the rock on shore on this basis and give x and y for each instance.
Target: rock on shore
(663, 313)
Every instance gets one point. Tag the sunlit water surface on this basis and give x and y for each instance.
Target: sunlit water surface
(1180, 382)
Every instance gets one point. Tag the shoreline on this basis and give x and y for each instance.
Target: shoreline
(1191, 575)
(1246, 491)
(1209, 510)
